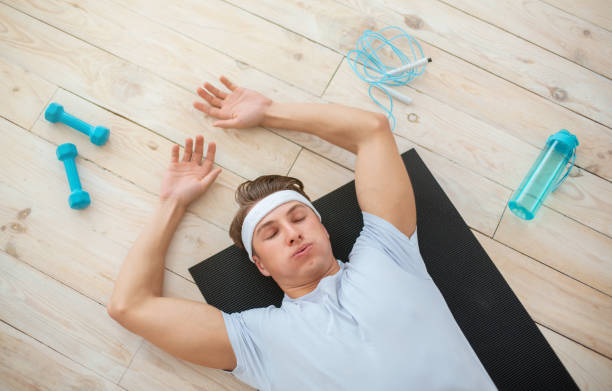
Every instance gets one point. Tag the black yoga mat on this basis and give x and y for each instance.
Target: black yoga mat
(499, 329)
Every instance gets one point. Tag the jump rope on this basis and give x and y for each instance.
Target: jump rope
(383, 76)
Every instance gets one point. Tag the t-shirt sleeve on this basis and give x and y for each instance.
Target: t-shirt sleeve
(249, 362)
(377, 233)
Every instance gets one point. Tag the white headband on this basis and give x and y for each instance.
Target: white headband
(265, 206)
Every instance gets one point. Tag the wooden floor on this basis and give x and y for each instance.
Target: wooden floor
(504, 77)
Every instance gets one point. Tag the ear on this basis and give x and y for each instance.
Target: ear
(260, 266)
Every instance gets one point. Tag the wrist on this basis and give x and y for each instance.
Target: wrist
(271, 114)
(171, 205)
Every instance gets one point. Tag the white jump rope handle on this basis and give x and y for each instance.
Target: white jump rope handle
(403, 68)
(399, 96)
(408, 67)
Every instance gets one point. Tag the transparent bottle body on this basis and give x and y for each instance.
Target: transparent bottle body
(540, 180)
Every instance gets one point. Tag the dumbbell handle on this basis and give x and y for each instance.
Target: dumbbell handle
(71, 173)
(76, 123)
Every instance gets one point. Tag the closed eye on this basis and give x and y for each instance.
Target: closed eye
(295, 221)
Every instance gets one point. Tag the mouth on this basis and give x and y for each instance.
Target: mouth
(303, 250)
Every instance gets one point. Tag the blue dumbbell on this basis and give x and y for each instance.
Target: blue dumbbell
(97, 134)
(79, 198)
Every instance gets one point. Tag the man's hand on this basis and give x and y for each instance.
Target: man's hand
(188, 179)
(241, 108)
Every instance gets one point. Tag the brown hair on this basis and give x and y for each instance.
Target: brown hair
(250, 192)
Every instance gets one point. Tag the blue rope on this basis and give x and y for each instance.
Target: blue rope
(368, 57)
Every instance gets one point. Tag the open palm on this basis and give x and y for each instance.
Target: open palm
(241, 108)
(186, 180)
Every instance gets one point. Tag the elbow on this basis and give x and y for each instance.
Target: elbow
(381, 123)
(117, 311)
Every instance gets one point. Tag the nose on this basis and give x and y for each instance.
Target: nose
(293, 234)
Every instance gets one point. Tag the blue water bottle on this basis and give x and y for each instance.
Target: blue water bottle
(543, 177)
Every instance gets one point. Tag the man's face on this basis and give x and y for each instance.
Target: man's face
(284, 231)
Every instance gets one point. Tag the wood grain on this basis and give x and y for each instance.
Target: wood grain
(590, 370)
(154, 369)
(500, 53)
(70, 323)
(449, 80)
(553, 299)
(481, 113)
(83, 249)
(482, 148)
(133, 92)
(159, 49)
(23, 94)
(489, 151)
(595, 11)
(27, 364)
(138, 155)
(563, 244)
(233, 31)
(548, 27)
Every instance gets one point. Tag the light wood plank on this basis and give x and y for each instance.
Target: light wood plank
(482, 148)
(154, 369)
(477, 199)
(161, 50)
(549, 27)
(138, 155)
(319, 175)
(135, 93)
(485, 148)
(239, 34)
(595, 11)
(563, 244)
(64, 320)
(589, 370)
(26, 364)
(448, 80)
(83, 249)
(505, 55)
(554, 300)
(593, 212)
(583, 199)
(23, 94)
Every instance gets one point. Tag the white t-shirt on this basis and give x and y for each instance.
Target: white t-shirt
(379, 323)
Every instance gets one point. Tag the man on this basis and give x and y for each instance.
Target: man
(377, 322)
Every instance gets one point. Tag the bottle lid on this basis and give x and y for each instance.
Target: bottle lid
(565, 137)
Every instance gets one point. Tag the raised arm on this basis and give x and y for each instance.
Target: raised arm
(381, 181)
(382, 184)
(187, 329)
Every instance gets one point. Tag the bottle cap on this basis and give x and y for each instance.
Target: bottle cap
(565, 137)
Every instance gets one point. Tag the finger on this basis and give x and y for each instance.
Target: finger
(211, 151)
(210, 178)
(230, 123)
(174, 155)
(188, 150)
(209, 98)
(210, 110)
(228, 83)
(199, 149)
(217, 92)
(202, 107)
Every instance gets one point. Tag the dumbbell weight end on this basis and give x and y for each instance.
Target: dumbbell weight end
(78, 198)
(98, 134)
